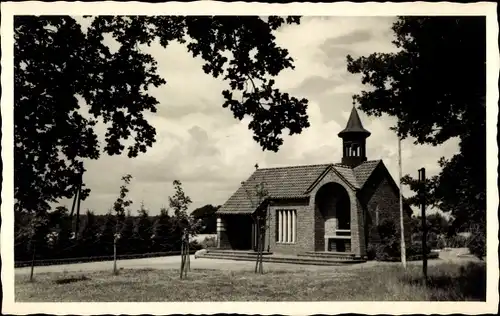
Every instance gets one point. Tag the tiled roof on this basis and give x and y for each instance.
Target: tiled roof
(290, 182)
(365, 170)
(283, 182)
(348, 174)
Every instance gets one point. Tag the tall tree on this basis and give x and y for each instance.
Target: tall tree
(435, 85)
(206, 215)
(107, 235)
(37, 234)
(60, 223)
(436, 223)
(60, 69)
(143, 230)
(162, 239)
(128, 242)
(88, 238)
(21, 237)
(258, 197)
(120, 207)
(181, 221)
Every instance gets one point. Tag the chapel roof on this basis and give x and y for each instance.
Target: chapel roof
(292, 182)
(354, 125)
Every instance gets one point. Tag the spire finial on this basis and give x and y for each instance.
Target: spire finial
(353, 102)
(256, 166)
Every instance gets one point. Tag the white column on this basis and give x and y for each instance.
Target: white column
(289, 226)
(285, 226)
(220, 231)
(280, 226)
(285, 233)
(285, 223)
(285, 218)
(294, 218)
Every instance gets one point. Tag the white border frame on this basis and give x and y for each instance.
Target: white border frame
(239, 8)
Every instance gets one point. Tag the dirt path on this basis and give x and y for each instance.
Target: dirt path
(173, 262)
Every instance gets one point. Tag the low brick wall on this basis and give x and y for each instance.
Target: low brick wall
(50, 262)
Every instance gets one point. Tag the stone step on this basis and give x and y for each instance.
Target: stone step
(277, 259)
(237, 252)
(333, 255)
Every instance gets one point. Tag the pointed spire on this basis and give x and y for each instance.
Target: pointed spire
(354, 125)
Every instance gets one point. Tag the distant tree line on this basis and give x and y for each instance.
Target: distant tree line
(139, 233)
(441, 232)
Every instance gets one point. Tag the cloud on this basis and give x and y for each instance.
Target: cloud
(210, 152)
(316, 84)
(353, 37)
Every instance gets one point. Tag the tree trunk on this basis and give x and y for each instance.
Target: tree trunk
(115, 271)
(258, 248)
(33, 262)
(261, 256)
(182, 258)
(188, 258)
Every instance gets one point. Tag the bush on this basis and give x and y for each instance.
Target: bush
(387, 230)
(457, 241)
(389, 247)
(432, 240)
(194, 245)
(389, 252)
(209, 242)
(477, 245)
(384, 252)
(371, 252)
(441, 242)
(415, 248)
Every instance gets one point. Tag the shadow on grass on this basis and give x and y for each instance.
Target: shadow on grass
(71, 280)
(466, 283)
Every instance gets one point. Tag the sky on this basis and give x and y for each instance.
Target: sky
(211, 153)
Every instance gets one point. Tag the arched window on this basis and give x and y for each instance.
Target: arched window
(355, 150)
(348, 150)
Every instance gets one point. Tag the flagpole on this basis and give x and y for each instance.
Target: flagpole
(403, 246)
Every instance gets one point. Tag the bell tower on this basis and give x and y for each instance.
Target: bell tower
(354, 137)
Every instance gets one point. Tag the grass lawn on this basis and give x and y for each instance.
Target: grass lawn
(384, 282)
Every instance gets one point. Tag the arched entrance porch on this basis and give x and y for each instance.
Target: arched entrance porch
(333, 219)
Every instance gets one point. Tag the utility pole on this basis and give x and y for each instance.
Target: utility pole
(77, 223)
(421, 178)
(401, 213)
(76, 201)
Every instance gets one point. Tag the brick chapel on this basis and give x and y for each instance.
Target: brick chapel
(331, 207)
